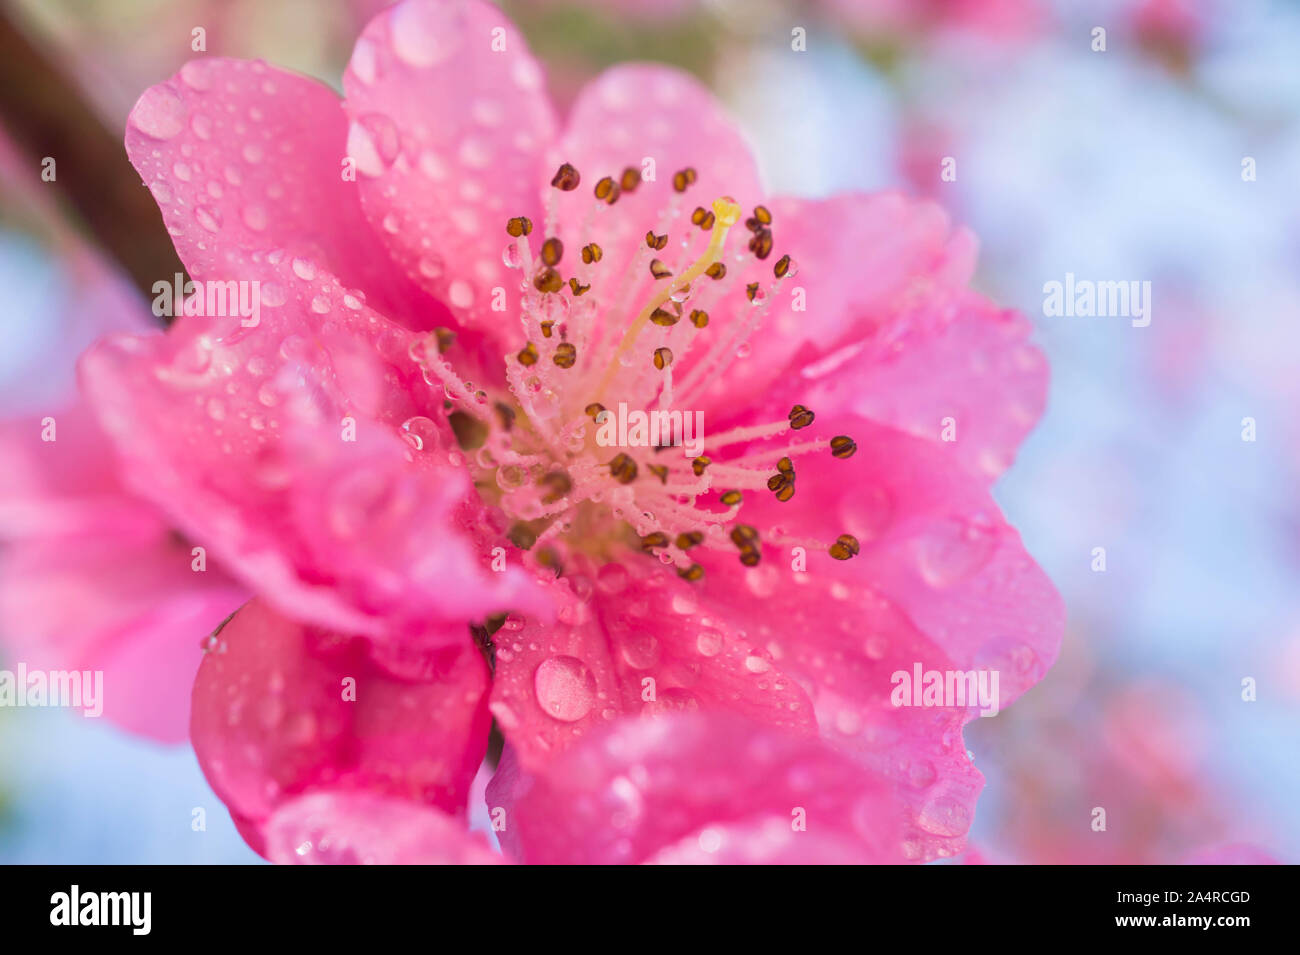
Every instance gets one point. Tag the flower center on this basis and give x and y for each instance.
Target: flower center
(598, 447)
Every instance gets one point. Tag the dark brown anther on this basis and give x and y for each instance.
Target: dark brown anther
(761, 244)
(522, 534)
(659, 270)
(547, 327)
(750, 556)
(547, 280)
(505, 414)
(682, 179)
(519, 225)
(663, 358)
(744, 536)
(842, 446)
(552, 251)
(785, 466)
(709, 220)
(697, 216)
(566, 354)
(656, 242)
(692, 573)
(656, 540)
(689, 539)
(446, 338)
(630, 179)
(566, 178)
(751, 290)
(845, 546)
(607, 190)
(752, 224)
(763, 215)
(528, 355)
(716, 271)
(591, 252)
(699, 317)
(699, 464)
(782, 267)
(623, 469)
(577, 288)
(470, 432)
(661, 316)
(782, 485)
(594, 409)
(557, 484)
(732, 498)
(800, 417)
(660, 472)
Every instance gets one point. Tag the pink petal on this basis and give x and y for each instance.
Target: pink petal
(695, 787)
(133, 609)
(440, 171)
(941, 581)
(282, 709)
(636, 643)
(242, 436)
(243, 156)
(343, 828)
(867, 267)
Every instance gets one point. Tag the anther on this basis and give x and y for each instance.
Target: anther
(689, 539)
(660, 471)
(656, 242)
(732, 498)
(566, 354)
(566, 178)
(691, 573)
(716, 271)
(659, 270)
(593, 409)
(782, 485)
(661, 316)
(743, 535)
(607, 190)
(519, 225)
(547, 280)
(699, 464)
(699, 317)
(591, 252)
(845, 546)
(552, 251)
(751, 290)
(623, 469)
(842, 446)
(761, 243)
(663, 358)
(750, 556)
(782, 267)
(528, 355)
(683, 178)
(558, 484)
(630, 179)
(578, 288)
(547, 327)
(446, 338)
(654, 541)
(800, 417)
(785, 466)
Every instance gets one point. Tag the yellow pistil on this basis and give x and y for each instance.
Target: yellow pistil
(726, 214)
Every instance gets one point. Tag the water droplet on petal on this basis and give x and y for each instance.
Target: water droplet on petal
(565, 688)
(160, 113)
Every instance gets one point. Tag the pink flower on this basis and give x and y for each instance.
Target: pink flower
(388, 489)
(94, 578)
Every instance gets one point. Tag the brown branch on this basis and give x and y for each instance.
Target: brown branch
(45, 115)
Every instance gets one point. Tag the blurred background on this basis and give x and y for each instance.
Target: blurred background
(1115, 165)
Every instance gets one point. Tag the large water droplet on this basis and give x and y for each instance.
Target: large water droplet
(565, 687)
(160, 113)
